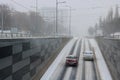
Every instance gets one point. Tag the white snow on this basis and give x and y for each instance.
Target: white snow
(80, 67)
(56, 67)
(68, 73)
(57, 61)
(101, 64)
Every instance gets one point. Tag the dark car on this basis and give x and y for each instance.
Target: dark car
(72, 60)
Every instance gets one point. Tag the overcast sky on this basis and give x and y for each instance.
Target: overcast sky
(85, 12)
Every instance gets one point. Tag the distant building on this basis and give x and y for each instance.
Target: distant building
(115, 35)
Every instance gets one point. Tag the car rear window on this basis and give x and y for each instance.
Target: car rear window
(88, 52)
(71, 57)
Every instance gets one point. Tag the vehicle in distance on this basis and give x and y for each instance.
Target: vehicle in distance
(72, 60)
(88, 55)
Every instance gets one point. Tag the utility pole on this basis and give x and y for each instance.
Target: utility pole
(69, 19)
(56, 29)
(57, 3)
(36, 15)
(70, 22)
(2, 19)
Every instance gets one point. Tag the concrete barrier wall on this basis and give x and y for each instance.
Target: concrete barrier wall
(21, 59)
(110, 49)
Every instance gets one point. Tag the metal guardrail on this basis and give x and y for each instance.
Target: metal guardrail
(13, 35)
(4, 35)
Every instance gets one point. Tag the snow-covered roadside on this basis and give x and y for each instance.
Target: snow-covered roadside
(56, 62)
(101, 64)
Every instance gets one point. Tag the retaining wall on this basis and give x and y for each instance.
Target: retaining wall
(22, 59)
(110, 49)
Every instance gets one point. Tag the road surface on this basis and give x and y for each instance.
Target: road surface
(86, 70)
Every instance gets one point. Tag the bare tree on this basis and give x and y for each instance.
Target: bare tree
(91, 31)
(5, 16)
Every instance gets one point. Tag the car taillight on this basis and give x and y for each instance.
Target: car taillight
(75, 60)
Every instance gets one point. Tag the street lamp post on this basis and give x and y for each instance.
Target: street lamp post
(56, 30)
(69, 20)
(36, 16)
(2, 20)
(56, 17)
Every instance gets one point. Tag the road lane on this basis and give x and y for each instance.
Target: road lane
(79, 73)
(86, 70)
(89, 65)
(89, 71)
(50, 72)
(68, 74)
(63, 70)
(101, 64)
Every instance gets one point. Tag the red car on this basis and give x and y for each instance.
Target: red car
(72, 60)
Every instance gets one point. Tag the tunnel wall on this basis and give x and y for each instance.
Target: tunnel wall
(110, 49)
(22, 59)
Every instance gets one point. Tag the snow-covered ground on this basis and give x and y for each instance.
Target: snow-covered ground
(101, 64)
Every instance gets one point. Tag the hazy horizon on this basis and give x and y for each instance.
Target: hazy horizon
(85, 13)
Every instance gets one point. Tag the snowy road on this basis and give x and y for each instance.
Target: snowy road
(89, 71)
(86, 70)
(101, 64)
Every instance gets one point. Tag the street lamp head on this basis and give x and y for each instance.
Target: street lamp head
(64, 2)
(61, 2)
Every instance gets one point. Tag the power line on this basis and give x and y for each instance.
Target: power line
(20, 4)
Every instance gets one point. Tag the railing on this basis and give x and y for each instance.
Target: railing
(14, 35)
(5, 35)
